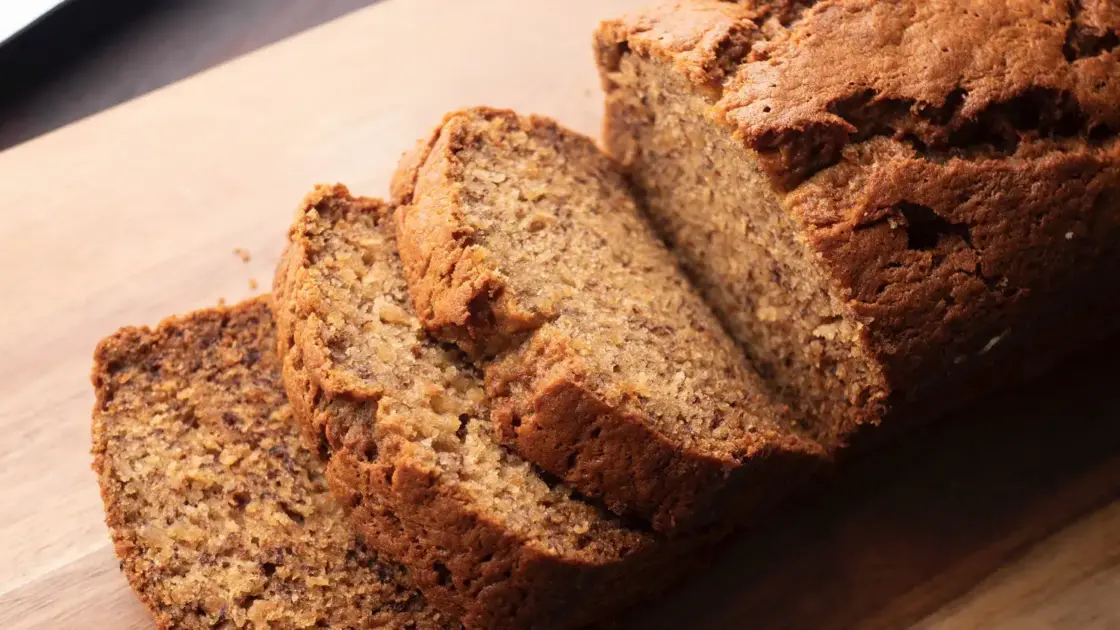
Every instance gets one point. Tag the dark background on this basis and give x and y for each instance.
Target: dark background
(94, 54)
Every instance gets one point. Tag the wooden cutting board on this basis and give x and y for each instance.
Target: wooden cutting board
(1005, 516)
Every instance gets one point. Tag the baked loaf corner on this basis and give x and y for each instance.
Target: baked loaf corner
(219, 516)
(884, 200)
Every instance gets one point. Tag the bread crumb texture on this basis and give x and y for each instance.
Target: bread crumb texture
(522, 244)
(402, 420)
(220, 517)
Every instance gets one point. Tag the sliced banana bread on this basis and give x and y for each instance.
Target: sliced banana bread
(521, 243)
(220, 517)
(404, 424)
(891, 205)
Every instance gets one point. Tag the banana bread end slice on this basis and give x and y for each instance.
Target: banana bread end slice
(219, 516)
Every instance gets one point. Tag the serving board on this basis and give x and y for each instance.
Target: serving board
(1006, 514)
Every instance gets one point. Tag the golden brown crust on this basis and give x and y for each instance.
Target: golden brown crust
(705, 40)
(526, 234)
(401, 420)
(217, 513)
(920, 251)
(456, 288)
(942, 75)
(951, 183)
(945, 76)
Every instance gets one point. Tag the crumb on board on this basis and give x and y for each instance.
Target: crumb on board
(243, 254)
(253, 284)
(221, 301)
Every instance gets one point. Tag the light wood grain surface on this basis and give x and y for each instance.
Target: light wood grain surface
(1005, 516)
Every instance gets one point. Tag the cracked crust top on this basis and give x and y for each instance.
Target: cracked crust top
(955, 164)
(802, 80)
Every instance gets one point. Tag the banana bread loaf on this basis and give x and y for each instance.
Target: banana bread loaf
(884, 201)
(219, 516)
(403, 422)
(521, 243)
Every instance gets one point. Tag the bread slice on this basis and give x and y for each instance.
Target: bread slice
(403, 422)
(885, 202)
(220, 517)
(521, 242)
